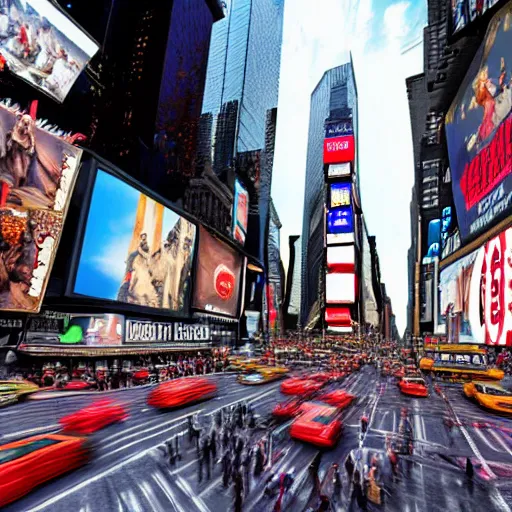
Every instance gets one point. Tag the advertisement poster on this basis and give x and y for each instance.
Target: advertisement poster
(144, 331)
(479, 131)
(340, 194)
(475, 296)
(240, 212)
(135, 250)
(43, 46)
(37, 175)
(217, 276)
(339, 170)
(340, 288)
(52, 328)
(339, 142)
(465, 11)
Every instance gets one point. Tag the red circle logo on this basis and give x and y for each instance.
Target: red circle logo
(224, 282)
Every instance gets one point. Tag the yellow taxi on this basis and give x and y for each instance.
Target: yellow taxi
(12, 390)
(490, 395)
(262, 375)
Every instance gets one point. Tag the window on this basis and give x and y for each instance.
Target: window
(21, 451)
(323, 419)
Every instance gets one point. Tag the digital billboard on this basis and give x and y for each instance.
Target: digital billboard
(338, 317)
(340, 194)
(37, 176)
(479, 133)
(340, 225)
(240, 212)
(339, 142)
(340, 288)
(341, 258)
(466, 11)
(135, 250)
(218, 276)
(43, 46)
(63, 329)
(475, 298)
(339, 170)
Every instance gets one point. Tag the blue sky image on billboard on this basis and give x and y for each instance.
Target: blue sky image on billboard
(131, 237)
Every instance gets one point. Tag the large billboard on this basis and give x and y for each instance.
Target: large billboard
(466, 11)
(340, 288)
(37, 175)
(340, 215)
(218, 276)
(339, 142)
(479, 133)
(135, 250)
(43, 46)
(475, 297)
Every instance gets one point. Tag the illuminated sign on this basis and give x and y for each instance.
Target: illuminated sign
(340, 288)
(240, 212)
(341, 258)
(339, 170)
(479, 134)
(339, 150)
(338, 317)
(339, 129)
(340, 194)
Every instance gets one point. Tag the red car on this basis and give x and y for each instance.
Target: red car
(33, 461)
(93, 417)
(287, 410)
(320, 377)
(338, 398)
(179, 392)
(413, 386)
(298, 386)
(318, 424)
(77, 385)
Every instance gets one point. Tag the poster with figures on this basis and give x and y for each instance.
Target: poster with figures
(37, 175)
(43, 46)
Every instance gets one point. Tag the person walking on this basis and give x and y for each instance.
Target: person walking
(349, 466)
(358, 495)
(206, 454)
(259, 461)
(226, 468)
(238, 490)
(364, 423)
(313, 471)
(246, 465)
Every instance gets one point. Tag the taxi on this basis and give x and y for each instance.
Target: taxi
(11, 391)
(298, 386)
(180, 392)
(35, 460)
(338, 398)
(262, 375)
(288, 409)
(489, 395)
(318, 424)
(413, 386)
(93, 417)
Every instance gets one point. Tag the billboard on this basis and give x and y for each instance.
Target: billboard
(466, 11)
(479, 131)
(37, 175)
(341, 258)
(339, 170)
(339, 142)
(43, 46)
(135, 250)
(474, 295)
(63, 329)
(218, 276)
(338, 317)
(240, 212)
(340, 194)
(340, 288)
(144, 331)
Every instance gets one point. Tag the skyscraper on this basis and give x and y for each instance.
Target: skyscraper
(335, 97)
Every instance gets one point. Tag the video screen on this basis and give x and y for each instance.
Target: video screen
(43, 46)
(135, 250)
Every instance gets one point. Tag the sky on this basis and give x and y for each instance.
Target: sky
(108, 235)
(385, 38)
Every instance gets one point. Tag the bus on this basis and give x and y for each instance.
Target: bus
(459, 363)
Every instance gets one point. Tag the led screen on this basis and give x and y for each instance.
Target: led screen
(341, 258)
(217, 276)
(43, 46)
(340, 195)
(340, 288)
(240, 212)
(37, 175)
(135, 250)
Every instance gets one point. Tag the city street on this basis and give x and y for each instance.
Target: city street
(130, 469)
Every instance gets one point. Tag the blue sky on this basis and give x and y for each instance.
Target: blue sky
(316, 37)
(108, 236)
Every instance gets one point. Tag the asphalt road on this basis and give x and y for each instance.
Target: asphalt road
(130, 471)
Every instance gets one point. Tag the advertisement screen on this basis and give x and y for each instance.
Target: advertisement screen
(340, 194)
(340, 288)
(339, 170)
(475, 299)
(135, 250)
(465, 11)
(217, 277)
(240, 212)
(341, 258)
(43, 46)
(339, 149)
(64, 329)
(479, 131)
(338, 317)
(37, 175)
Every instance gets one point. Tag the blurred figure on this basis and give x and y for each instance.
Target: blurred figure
(226, 467)
(358, 495)
(313, 471)
(246, 465)
(238, 490)
(260, 458)
(206, 455)
(364, 423)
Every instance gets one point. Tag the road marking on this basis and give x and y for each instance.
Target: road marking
(159, 479)
(24, 433)
(116, 467)
(198, 502)
(148, 493)
(500, 440)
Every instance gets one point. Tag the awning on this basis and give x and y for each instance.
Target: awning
(58, 351)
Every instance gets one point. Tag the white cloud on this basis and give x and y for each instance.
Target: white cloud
(111, 262)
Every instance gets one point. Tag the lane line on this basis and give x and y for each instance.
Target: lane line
(23, 433)
(159, 479)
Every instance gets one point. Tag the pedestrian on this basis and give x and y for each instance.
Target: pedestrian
(206, 455)
(313, 471)
(213, 444)
(172, 455)
(336, 480)
(200, 462)
(190, 429)
(246, 465)
(364, 423)
(259, 461)
(358, 494)
(469, 468)
(225, 439)
(349, 466)
(177, 442)
(393, 460)
(239, 490)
